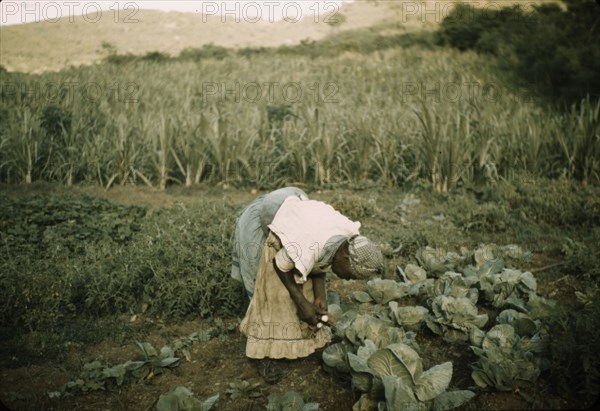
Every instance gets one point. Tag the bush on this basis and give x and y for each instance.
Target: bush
(208, 51)
(482, 30)
(362, 41)
(548, 48)
(575, 336)
(156, 56)
(121, 59)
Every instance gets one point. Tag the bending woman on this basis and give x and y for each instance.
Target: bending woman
(283, 244)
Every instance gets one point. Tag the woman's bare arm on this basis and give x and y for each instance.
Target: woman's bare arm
(318, 281)
(306, 310)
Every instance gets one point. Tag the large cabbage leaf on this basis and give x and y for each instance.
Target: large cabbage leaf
(344, 321)
(381, 331)
(399, 360)
(434, 381)
(415, 278)
(540, 307)
(506, 288)
(365, 403)
(451, 399)
(384, 291)
(399, 396)
(363, 354)
(362, 296)
(491, 268)
(335, 357)
(366, 326)
(180, 398)
(362, 375)
(413, 274)
(502, 336)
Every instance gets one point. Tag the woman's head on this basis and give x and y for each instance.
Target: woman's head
(358, 257)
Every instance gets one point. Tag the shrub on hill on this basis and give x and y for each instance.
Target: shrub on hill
(548, 47)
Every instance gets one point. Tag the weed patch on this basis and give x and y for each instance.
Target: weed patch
(72, 258)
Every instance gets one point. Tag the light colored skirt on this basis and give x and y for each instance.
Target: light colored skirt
(271, 323)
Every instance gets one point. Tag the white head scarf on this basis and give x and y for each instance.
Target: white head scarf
(366, 258)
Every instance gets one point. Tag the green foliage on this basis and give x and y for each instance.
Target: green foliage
(65, 257)
(196, 131)
(50, 224)
(290, 401)
(242, 389)
(155, 56)
(180, 398)
(394, 374)
(481, 29)
(507, 360)
(442, 147)
(548, 48)
(365, 41)
(123, 59)
(95, 376)
(355, 207)
(574, 336)
(559, 202)
(207, 51)
(384, 291)
(54, 120)
(382, 358)
(44, 247)
(454, 317)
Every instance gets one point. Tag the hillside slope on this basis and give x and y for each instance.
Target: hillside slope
(47, 46)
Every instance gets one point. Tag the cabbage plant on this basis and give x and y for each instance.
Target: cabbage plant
(399, 371)
(454, 318)
(180, 398)
(512, 255)
(507, 360)
(453, 284)
(384, 291)
(437, 261)
(508, 287)
(378, 351)
(410, 317)
(290, 401)
(380, 331)
(393, 378)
